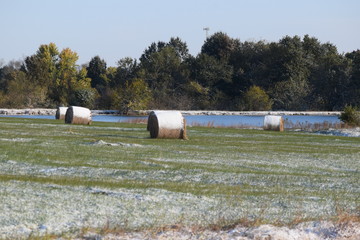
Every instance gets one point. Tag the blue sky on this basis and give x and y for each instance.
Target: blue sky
(114, 29)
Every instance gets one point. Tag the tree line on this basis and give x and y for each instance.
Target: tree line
(292, 74)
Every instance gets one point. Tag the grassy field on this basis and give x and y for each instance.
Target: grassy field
(58, 178)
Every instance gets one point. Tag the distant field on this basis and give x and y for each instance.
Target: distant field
(57, 178)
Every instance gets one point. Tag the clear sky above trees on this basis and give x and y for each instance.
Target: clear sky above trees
(116, 29)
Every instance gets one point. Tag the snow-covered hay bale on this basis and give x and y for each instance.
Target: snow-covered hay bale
(166, 124)
(60, 113)
(274, 123)
(78, 115)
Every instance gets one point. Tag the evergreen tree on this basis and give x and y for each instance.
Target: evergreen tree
(96, 71)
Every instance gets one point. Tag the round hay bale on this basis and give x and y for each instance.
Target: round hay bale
(60, 113)
(274, 123)
(78, 115)
(166, 124)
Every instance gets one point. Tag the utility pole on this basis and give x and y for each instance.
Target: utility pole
(206, 29)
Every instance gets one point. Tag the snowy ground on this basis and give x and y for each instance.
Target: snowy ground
(303, 231)
(55, 209)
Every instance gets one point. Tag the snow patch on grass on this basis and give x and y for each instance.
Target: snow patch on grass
(355, 132)
(34, 208)
(16, 139)
(101, 142)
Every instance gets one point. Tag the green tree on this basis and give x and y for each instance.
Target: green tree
(126, 70)
(82, 94)
(55, 74)
(215, 75)
(354, 81)
(41, 70)
(330, 79)
(7, 73)
(18, 92)
(164, 69)
(107, 95)
(250, 61)
(96, 71)
(153, 48)
(289, 76)
(290, 95)
(82, 81)
(67, 76)
(21, 93)
(41, 67)
(211, 72)
(220, 46)
(180, 48)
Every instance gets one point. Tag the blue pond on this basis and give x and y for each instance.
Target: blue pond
(213, 120)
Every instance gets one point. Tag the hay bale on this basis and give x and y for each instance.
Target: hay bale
(166, 124)
(274, 123)
(60, 113)
(78, 115)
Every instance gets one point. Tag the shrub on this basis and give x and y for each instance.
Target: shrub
(135, 96)
(351, 116)
(256, 99)
(84, 97)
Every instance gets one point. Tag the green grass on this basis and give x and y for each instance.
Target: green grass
(50, 143)
(282, 173)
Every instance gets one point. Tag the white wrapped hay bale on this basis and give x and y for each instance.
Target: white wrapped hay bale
(166, 124)
(78, 115)
(60, 113)
(274, 123)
